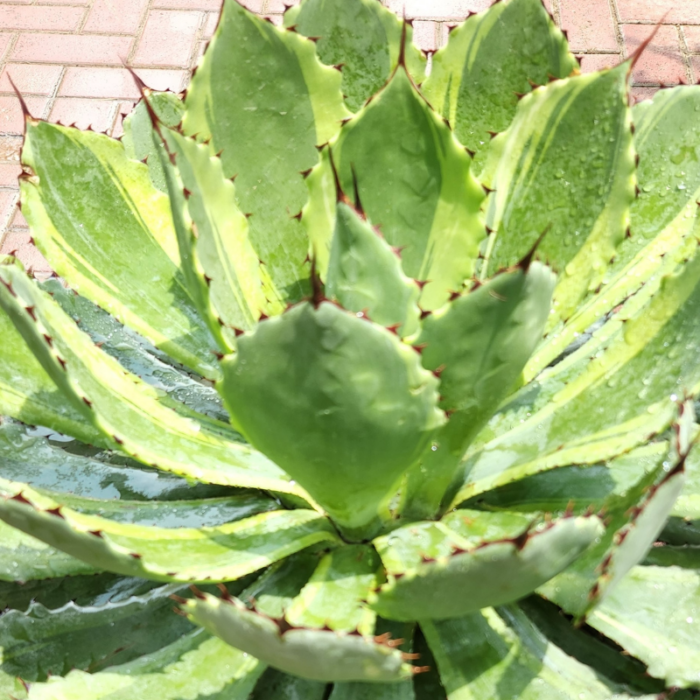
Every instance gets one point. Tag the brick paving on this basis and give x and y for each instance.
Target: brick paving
(67, 56)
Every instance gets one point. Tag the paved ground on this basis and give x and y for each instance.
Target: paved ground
(66, 57)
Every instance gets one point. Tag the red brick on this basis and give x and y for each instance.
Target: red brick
(679, 11)
(56, 18)
(168, 38)
(695, 65)
(115, 16)
(18, 220)
(661, 61)
(11, 118)
(65, 48)
(425, 35)
(124, 109)
(32, 79)
(4, 43)
(429, 9)
(117, 82)
(589, 25)
(592, 62)
(692, 38)
(210, 24)
(9, 172)
(10, 147)
(18, 242)
(194, 4)
(272, 5)
(98, 114)
(7, 203)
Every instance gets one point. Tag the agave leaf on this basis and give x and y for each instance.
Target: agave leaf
(361, 37)
(309, 373)
(479, 343)
(438, 570)
(333, 596)
(137, 138)
(577, 486)
(589, 649)
(687, 505)
(28, 393)
(42, 642)
(685, 556)
(365, 275)
(24, 558)
(92, 590)
(283, 686)
(196, 666)
(501, 654)
(636, 518)
(661, 217)
(48, 465)
(120, 405)
(566, 161)
(627, 392)
(414, 183)
(237, 282)
(309, 653)
(177, 389)
(373, 691)
(313, 654)
(266, 136)
(96, 222)
(489, 62)
(218, 553)
(654, 614)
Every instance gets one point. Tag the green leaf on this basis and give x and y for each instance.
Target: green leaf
(566, 161)
(362, 37)
(282, 686)
(309, 373)
(52, 465)
(609, 404)
(28, 393)
(175, 387)
(502, 655)
(373, 691)
(83, 591)
(196, 667)
(365, 275)
(313, 654)
(686, 556)
(590, 649)
(414, 183)
(489, 61)
(662, 217)
(24, 558)
(137, 138)
(334, 594)
(42, 642)
(478, 343)
(654, 614)
(266, 116)
(636, 518)
(237, 282)
(439, 570)
(578, 486)
(121, 406)
(94, 214)
(218, 553)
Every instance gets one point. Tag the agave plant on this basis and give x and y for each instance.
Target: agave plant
(403, 413)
